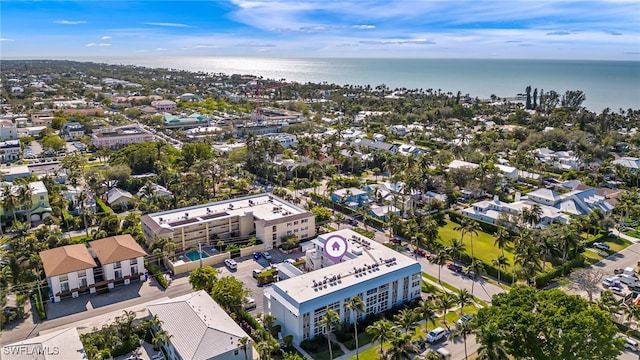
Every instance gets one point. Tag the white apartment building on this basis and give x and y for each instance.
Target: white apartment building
(380, 276)
(264, 216)
(9, 150)
(8, 130)
(120, 137)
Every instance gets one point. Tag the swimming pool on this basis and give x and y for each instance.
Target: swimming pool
(193, 255)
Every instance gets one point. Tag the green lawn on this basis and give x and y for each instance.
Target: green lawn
(325, 355)
(483, 244)
(615, 245)
(371, 353)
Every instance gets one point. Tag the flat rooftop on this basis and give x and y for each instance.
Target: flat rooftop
(365, 260)
(263, 206)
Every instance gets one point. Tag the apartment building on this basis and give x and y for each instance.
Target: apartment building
(120, 137)
(380, 276)
(164, 105)
(264, 216)
(9, 150)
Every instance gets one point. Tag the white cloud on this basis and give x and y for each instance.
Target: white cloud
(167, 24)
(105, 37)
(161, 49)
(205, 46)
(398, 42)
(7, 39)
(97, 44)
(70, 22)
(363, 27)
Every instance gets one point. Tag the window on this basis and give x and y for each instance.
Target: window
(273, 228)
(304, 221)
(289, 224)
(295, 223)
(235, 352)
(274, 237)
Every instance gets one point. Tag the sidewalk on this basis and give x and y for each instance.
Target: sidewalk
(624, 236)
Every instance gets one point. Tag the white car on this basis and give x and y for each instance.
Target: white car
(611, 281)
(231, 264)
(290, 261)
(601, 246)
(266, 255)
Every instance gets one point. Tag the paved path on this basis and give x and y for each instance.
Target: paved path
(624, 236)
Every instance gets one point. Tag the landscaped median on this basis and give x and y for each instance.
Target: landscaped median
(156, 273)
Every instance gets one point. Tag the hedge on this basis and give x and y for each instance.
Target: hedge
(543, 280)
(40, 306)
(105, 209)
(485, 226)
(156, 273)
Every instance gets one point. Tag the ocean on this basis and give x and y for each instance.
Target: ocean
(612, 84)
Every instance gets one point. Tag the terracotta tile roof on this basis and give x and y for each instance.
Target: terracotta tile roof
(66, 259)
(116, 248)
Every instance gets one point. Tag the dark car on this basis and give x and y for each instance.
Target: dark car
(454, 267)
(420, 344)
(353, 222)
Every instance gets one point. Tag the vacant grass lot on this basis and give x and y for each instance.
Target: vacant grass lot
(483, 244)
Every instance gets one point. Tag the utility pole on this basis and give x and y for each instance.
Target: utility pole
(200, 253)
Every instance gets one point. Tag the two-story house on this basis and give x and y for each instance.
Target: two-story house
(352, 197)
(121, 259)
(69, 271)
(72, 130)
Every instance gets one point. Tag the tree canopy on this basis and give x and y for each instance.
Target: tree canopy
(229, 293)
(551, 325)
(203, 278)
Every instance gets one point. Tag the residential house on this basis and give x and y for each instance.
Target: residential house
(39, 207)
(508, 172)
(629, 162)
(495, 211)
(398, 130)
(60, 344)
(69, 271)
(381, 212)
(393, 193)
(564, 160)
(199, 329)
(460, 164)
(118, 197)
(164, 105)
(72, 130)
(352, 197)
(286, 140)
(156, 190)
(120, 258)
(376, 145)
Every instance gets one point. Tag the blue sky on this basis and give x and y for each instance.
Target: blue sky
(324, 28)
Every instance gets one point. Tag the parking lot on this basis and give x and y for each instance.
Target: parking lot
(628, 257)
(244, 273)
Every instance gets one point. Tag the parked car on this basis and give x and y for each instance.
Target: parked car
(627, 279)
(420, 344)
(601, 246)
(249, 303)
(610, 281)
(353, 222)
(454, 267)
(266, 255)
(436, 335)
(618, 271)
(256, 255)
(290, 261)
(635, 288)
(231, 264)
(464, 319)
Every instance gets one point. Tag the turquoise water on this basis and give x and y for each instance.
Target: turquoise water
(193, 255)
(613, 84)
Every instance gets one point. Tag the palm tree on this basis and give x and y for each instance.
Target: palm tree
(472, 227)
(160, 337)
(243, 343)
(440, 259)
(356, 307)
(83, 196)
(331, 321)
(444, 303)
(455, 249)
(430, 231)
(24, 198)
(463, 330)
(500, 263)
(464, 298)
(426, 311)
(503, 237)
(10, 201)
(381, 331)
(264, 349)
(401, 346)
(490, 337)
(406, 320)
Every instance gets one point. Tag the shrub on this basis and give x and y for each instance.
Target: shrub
(156, 273)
